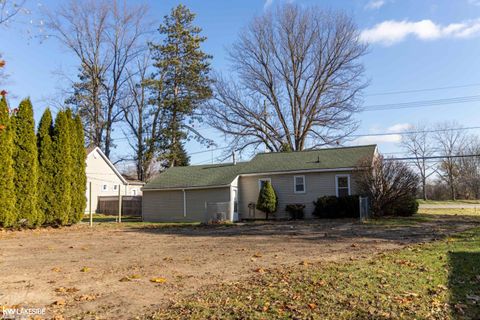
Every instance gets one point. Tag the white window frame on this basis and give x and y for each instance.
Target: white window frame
(295, 184)
(260, 182)
(134, 192)
(104, 187)
(336, 183)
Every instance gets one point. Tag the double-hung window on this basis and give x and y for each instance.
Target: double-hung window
(299, 184)
(342, 183)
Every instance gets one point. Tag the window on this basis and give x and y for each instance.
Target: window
(299, 184)
(262, 181)
(342, 185)
(134, 192)
(115, 187)
(104, 188)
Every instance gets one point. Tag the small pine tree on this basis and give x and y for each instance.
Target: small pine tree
(46, 186)
(79, 178)
(26, 165)
(7, 187)
(267, 199)
(61, 208)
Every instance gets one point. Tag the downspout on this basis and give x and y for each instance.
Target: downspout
(184, 203)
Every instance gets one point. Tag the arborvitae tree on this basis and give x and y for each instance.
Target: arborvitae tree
(63, 169)
(7, 189)
(25, 164)
(267, 199)
(46, 170)
(79, 178)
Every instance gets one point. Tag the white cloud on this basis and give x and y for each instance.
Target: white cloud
(375, 4)
(267, 4)
(399, 127)
(391, 138)
(390, 32)
(474, 2)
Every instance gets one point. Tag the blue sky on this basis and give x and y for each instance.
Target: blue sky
(414, 45)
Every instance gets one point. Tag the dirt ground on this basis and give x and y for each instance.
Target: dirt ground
(106, 272)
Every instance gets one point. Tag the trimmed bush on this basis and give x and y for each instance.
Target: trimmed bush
(267, 199)
(296, 211)
(61, 208)
(331, 207)
(405, 208)
(25, 164)
(79, 178)
(7, 188)
(46, 182)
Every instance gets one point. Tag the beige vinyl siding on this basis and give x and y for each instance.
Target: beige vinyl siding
(316, 185)
(99, 173)
(167, 206)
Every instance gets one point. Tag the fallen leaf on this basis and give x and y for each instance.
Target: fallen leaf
(56, 269)
(60, 302)
(354, 245)
(158, 280)
(260, 270)
(257, 255)
(312, 305)
(304, 263)
(86, 297)
(85, 269)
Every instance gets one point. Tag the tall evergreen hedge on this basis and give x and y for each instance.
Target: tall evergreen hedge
(46, 161)
(25, 164)
(79, 179)
(7, 187)
(267, 199)
(61, 208)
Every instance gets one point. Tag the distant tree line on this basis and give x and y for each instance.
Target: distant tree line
(456, 175)
(42, 174)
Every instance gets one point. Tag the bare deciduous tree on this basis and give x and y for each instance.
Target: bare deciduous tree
(297, 84)
(106, 37)
(144, 121)
(9, 9)
(418, 144)
(449, 141)
(391, 187)
(469, 168)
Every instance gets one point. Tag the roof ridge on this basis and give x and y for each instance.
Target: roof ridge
(322, 149)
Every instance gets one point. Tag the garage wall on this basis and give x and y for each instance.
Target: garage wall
(167, 206)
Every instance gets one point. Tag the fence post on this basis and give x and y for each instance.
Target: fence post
(90, 202)
(119, 204)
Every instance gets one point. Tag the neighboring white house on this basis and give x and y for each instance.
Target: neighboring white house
(105, 179)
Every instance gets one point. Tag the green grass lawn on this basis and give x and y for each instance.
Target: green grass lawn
(438, 280)
(435, 202)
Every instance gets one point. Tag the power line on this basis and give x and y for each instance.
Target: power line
(421, 90)
(412, 132)
(435, 157)
(421, 103)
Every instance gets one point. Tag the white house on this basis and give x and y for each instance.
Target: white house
(105, 180)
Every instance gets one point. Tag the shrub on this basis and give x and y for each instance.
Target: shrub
(267, 199)
(391, 187)
(7, 187)
(295, 210)
(46, 182)
(331, 207)
(25, 164)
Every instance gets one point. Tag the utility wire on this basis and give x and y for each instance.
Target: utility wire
(421, 103)
(412, 132)
(421, 90)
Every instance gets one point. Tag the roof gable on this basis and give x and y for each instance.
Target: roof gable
(107, 161)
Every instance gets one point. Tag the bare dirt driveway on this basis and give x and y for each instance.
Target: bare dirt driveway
(106, 272)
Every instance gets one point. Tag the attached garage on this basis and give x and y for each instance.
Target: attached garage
(186, 205)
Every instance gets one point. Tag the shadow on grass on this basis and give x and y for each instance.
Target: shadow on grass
(464, 284)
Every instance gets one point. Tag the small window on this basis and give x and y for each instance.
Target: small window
(343, 185)
(299, 184)
(115, 187)
(134, 192)
(104, 187)
(261, 182)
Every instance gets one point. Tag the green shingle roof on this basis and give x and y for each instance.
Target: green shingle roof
(224, 174)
